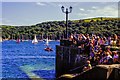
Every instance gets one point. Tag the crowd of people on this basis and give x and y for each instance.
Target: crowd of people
(100, 49)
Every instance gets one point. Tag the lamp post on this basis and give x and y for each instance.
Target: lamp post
(66, 12)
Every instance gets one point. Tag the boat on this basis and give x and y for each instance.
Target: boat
(48, 49)
(1, 39)
(18, 40)
(22, 38)
(47, 42)
(35, 41)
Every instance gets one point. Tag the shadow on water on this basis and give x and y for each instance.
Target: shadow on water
(26, 60)
(46, 75)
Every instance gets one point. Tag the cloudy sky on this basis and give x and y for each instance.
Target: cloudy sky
(30, 13)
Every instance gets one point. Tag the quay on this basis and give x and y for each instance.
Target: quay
(68, 59)
(70, 62)
(100, 72)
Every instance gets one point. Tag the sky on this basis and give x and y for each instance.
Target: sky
(31, 13)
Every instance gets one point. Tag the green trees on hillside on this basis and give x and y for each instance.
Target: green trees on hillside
(56, 29)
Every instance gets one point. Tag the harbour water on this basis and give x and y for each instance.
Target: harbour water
(27, 60)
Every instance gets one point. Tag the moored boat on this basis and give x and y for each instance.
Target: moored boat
(35, 41)
(1, 39)
(18, 40)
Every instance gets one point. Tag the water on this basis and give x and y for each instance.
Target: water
(27, 60)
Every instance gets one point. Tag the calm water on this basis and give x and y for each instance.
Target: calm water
(27, 60)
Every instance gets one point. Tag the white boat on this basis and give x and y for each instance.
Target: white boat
(47, 41)
(22, 38)
(1, 39)
(35, 41)
(47, 44)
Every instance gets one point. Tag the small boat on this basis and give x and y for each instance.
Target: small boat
(1, 39)
(47, 42)
(22, 39)
(18, 40)
(35, 41)
(48, 49)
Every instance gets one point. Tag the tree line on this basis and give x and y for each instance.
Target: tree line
(56, 29)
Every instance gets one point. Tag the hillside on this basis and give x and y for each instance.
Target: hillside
(56, 29)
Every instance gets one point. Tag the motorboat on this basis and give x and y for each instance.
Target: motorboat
(48, 49)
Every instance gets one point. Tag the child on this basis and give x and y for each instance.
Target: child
(87, 66)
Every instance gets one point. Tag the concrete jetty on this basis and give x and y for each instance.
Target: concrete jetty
(100, 72)
(70, 62)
